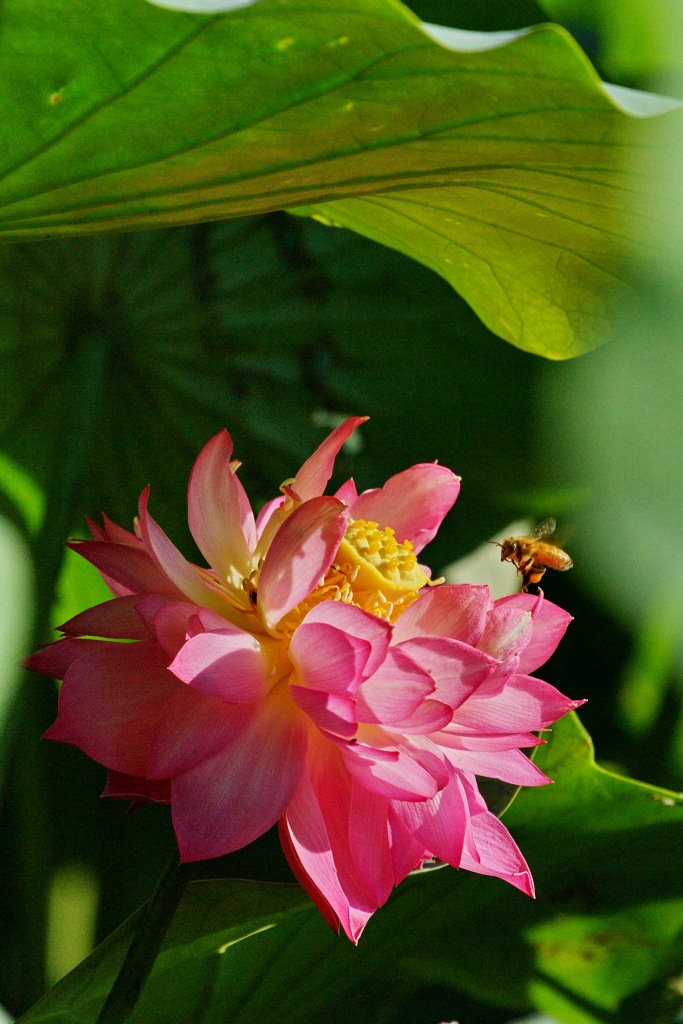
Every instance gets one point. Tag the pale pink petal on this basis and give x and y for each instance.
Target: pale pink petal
(456, 669)
(331, 712)
(300, 554)
(394, 692)
(413, 502)
(312, 478)
(227, 663)
(490, 849)
(264, 516)
(347, 492)
(184, 577)
(131, 568)
(458, 612)
(115, 620)
(549, 626)
(56, 659)
(508, 631)
(122, 707)
(232, 798)
(127, 787)
(357, 623)
(215, 509)
(439, 824)
(507, 765)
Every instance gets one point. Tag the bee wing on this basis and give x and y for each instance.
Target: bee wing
(544, 529)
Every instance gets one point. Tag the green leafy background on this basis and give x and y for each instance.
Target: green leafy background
(122, 353)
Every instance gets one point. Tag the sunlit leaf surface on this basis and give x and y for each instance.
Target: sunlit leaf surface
(499, 161)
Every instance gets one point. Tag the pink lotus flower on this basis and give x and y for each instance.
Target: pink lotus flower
(312, 676)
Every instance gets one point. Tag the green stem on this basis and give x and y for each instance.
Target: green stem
(154, 923)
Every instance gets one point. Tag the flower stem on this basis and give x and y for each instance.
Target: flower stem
(142, 952)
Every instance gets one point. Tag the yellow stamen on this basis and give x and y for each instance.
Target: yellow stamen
(383, 565)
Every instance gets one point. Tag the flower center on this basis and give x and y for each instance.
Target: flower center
(382, 563)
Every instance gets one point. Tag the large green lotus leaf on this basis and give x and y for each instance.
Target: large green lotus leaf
(601, 943)
(500, 161)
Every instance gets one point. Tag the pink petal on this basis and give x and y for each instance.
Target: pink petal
(507, 765)
(312, 478)
(394, 692)
(246, 514)
(131, 568)
(167, 621)
(347, 493)
(227, 663)
(549, 626)
(490, 849)
(456, 669)
(454, 739)
(331, 712)
(524, 705)
(122, 707)
(215, 510)
(428, 718)
(439, 824)
(399, 777)
(127, 787)
(56, 659)
(116, 620)
(413, 502)
(458, 612)
(300, 554)
(424, 752)
(406, 853)
(184, 577)
(234, 797)
(119, 535)
(327, 658)
(317, 855)
(356, 623)
(369, 842)
(317, 849)
(96, 532)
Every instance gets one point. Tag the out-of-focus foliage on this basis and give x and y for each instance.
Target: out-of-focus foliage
(635, 43)
(598, 938)
(617, 423)
(500, 162)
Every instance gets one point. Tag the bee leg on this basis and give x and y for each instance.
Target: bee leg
(533, 573)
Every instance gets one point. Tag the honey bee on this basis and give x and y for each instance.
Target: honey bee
(532, 555)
